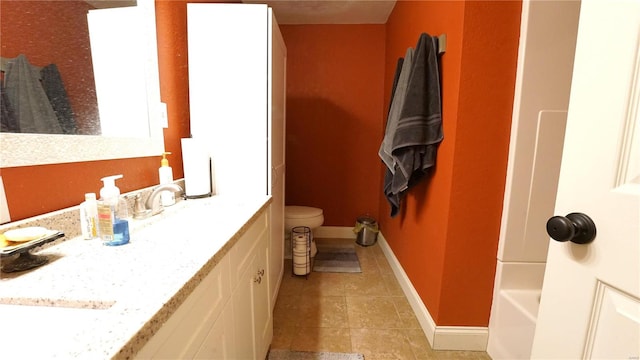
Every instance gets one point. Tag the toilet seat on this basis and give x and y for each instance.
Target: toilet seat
(301, 212)
(302, 216)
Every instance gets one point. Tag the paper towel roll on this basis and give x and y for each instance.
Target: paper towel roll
(197, 169)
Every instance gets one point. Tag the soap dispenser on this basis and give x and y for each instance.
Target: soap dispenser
(109, 198)
(165, 173)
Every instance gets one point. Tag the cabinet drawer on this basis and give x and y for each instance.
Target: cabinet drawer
(182, 335)
(241, 251)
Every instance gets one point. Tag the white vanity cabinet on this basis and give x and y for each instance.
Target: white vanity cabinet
(228, 315)
(237, 92)
(251, 300)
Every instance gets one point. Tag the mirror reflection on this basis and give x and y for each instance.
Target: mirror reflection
(55, 53)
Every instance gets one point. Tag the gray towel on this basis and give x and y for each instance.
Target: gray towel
(8, 119)
(397, 102)
(418, 130)
(54, 88)
(28, 99)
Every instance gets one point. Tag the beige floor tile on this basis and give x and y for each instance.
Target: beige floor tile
(323, 311)
(419, 344)
(383, 265)
(282, 337)
(423, 351)
(460, 355)
(321, 339)
(377, 344)
(368, 284)
(392, 285)
(405, 312)
(365, 312)
(286, 312)
(368, 264)
(325, 284)
(373, 313)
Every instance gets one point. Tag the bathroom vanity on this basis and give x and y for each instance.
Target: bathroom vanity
(193, 282)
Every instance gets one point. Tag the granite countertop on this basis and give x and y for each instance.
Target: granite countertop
(98, 302)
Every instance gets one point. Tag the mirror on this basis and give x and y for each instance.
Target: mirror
(22, 149)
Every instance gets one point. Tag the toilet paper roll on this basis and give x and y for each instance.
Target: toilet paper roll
(301, 269)
(301, 262)
(299, 257)
(197, 169)
(300, 243)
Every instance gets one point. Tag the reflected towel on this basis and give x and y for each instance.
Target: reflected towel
(54, 88)
(28, 99)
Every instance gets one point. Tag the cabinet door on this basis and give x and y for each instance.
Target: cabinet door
(242, 300)
(219, 343)
(184, 332)
(262, 315)
(252, 304)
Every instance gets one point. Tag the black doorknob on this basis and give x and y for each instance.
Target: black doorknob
(575, 227)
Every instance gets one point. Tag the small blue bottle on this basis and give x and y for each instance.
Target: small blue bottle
(120, 225)
(120, 233)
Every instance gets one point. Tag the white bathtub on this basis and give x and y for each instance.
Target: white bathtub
(514, 310)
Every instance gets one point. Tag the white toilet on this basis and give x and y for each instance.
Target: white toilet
(301, 216)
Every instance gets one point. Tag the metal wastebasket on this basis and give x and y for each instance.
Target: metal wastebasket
(367, 230)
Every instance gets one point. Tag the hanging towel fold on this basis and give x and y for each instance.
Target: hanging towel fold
(396, 78)
(30, 103)
(413, 137)
(397, 102)
(8, 119)
(54, 88)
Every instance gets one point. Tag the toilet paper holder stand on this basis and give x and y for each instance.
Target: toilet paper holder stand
(301, 239)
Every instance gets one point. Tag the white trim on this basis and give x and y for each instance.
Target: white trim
(424, 318)
(440, 337)
(470, 338)
(339, 232)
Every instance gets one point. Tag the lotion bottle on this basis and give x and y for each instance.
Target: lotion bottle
(89, 216)
(165, 173)
(109, 197)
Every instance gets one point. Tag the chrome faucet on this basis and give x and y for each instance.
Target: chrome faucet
(156, 193)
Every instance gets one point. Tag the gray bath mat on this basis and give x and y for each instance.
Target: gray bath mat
(306, 355)
(334, 257)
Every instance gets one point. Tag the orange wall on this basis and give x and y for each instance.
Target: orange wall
(54, 32)
(33, 190)
(335, 81)
(447, 234)
(339, 80)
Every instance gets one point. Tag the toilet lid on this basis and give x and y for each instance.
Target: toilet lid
(301, 212)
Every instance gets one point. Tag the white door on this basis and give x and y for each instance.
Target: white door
(590, 303)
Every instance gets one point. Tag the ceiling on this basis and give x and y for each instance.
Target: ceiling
(307, 11)
(103, 4)
(329, 11)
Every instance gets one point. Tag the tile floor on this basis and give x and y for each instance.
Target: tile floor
(364, 313)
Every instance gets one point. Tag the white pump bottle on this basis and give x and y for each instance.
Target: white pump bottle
(109, 196)
(165, 173)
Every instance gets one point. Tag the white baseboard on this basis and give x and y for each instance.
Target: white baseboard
(469, 338)
(340, 232)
